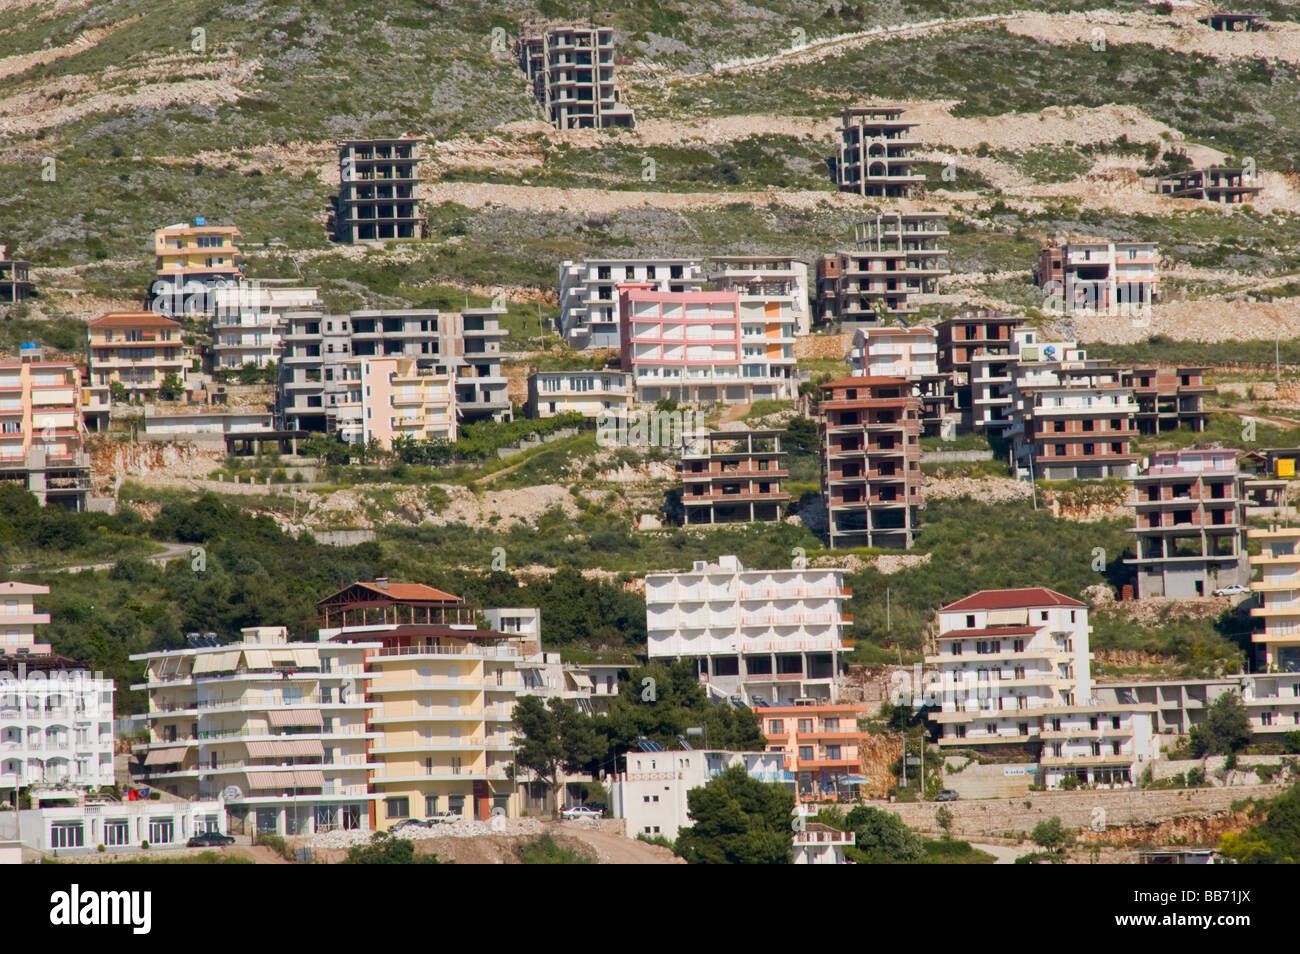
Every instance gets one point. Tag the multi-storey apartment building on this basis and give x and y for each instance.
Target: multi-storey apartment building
(73, 829)
(911, 353)
(1069, 418)
(392, 398)
(772, 282)
(875, 152)
(589, 303)
(985, 332)
(651, 794)
(1272, 690)
(1179, 704)
(56, 718)
(317, 371)
(42, 431)
(700, 347)
(571, 68)
(15, 278)
(1100, 277)
(1169, 398)
(249, 319)
(190, 261)
(774, 635)
(732, 477)
(896, 257)
(1224, 184)
(445, 693)
(277, 729)
(139, 350)
(871, 453)
(589, 393)
(1190, 517)
(378, 183)
(1015, 679)
(821, 744)
(995, 375)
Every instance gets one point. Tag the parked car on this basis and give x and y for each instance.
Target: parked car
(408, 823)
(1232, 590)
(210, 839)
(581, 811)
(947, 795)
(443, 818)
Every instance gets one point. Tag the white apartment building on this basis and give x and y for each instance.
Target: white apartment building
(278, 730)
(776, 283)
(589, 293)
(1014, 674)
(1271, 692)
(589, 393)
(770, 635)
(705, 347)
(1028, 361)
(82, 828)
(590, 687)
(56, 718)
(818, 844)
(651, 794)
(249, 319)
(894, 352)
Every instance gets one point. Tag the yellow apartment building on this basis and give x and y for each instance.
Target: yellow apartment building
(192, 258)
(444, 692)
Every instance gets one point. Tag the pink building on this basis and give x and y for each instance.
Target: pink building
(41, 429)
(702, 347)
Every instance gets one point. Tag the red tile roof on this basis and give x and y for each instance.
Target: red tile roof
(1030, 596)
(990, 631)
(410, 591)
(863, 381)
(133, 319)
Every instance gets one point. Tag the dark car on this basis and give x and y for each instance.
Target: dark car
(947, 795)
(409, 823)
(210, 839)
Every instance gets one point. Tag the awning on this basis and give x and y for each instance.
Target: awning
(165, 756)
(257, 659)
(854, 780)
(311, 779)
(288, 748)
(302, 658)
(216, 662)
(287, 717)
(580, 679)
(1007, 617)
(264, 781)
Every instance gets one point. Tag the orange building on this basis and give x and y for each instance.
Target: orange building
(822, 744)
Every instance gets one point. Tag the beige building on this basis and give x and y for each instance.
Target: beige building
(138, 350)
(41, 429)
(589, 393)
(1272, 691)
(393, 398)
(190, 261)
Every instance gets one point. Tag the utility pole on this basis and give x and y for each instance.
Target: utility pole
(1033, 487)
(889, 622)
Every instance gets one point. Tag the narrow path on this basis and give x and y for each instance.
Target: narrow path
(1005, 854)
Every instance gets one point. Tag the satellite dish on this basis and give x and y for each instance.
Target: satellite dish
(231, 792)
(499, 811)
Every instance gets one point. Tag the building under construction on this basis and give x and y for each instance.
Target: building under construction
(896, 256)
(571, 68)
(875, 152)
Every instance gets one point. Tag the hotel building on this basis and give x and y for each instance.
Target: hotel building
(821, 744)
(138, 350)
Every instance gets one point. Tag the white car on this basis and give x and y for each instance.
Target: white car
(1234, 590)
(443, 818)
(581, 811)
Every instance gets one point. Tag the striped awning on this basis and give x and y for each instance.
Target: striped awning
(264, 781)
(287, 748)
(216, 662)
(309, 779)
(165, 756)
(286, 717)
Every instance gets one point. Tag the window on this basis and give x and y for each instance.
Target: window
(430, 806)
(832, 725)
(805, 753)
(67, 835)
(805, 725)
(162, 831)
(397, 807)
(775, 726)
(833, 753)
(117, 833)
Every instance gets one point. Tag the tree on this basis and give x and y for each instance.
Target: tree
(554, 737)
(1275, 839)
(882, 837)
(738, 820)
(172, 388)
(1226, 728)
(1050, 835)
(943, 818)
(386, 850)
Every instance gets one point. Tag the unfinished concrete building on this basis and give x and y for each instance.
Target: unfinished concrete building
(377, 198)
(871, 469)
(1189, 533)
(571, 68)
(1169, 398)
(1099, 277)
(1233, 22)
(15, 278)
(986, 333)
(875, 152)
(1228, 185)
(732, 477)
(896, 257)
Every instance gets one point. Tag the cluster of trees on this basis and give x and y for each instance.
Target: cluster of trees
(1275, 838)
(657, 702)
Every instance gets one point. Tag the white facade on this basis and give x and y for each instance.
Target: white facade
(589, 393)
(651, 794)
(760, 279)
(278, 729)
(774, 635)
(249, 319)
(1014, 668)
(75, 829)
(894, 352)
(817, 844)
(589, 293)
